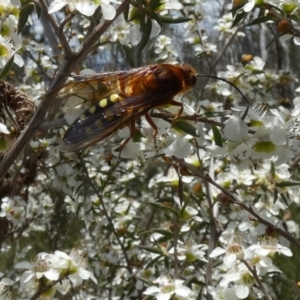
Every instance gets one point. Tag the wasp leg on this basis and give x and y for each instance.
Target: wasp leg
(175, 103)
(153, 125)
(123, 144)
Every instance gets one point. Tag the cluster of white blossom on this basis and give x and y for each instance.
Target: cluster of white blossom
(241, 264)
(49, 273)
(154, 227)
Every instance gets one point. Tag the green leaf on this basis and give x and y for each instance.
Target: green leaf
(7, 67)
(157, 18)
(126, 13)
(24, 15)
(277, 37)
(272, 169)
(285, 200)
(257, 72)
(155, 4)
(238, 19)
(38, 11)
(287, 183)
(153, 262)
(186, 128)
(160, 205)
(259, 20)
(275, 196)
(153, 250)
(262, 11)
(135, 15)
(164, 232)
(148, 282)
(146, 31)
(167, 263)
(2, 144)
(137, 137)
(174, 19)
(212, 114)
(217, 136)
(295, 18)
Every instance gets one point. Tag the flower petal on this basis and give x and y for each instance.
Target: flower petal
(216, 252)
(52, 274)
(182, 291)
(108, 11)
(242, 291)
(56, 5)
(151, 290)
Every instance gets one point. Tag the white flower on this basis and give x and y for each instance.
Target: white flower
(85, 7)
(7, 50)
(44, 269)
(76, 267)
(59, 267)
(167, 288)
(236, 130)
(9, 29)
(163, 47)
(172, 4)
(190, 251)
(269, 246)
(4, 293)
(13, 210)
(4, 129)
(225, 294)
(41, 266)
(134, 36)
(242, 278)
(233, 250)
(249, 6)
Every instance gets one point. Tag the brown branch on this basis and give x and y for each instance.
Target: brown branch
(50, 102)
(48, 287)
(57, 28)
(257, 279)
(95, 35)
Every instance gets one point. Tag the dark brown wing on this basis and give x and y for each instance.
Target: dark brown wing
(99, 123)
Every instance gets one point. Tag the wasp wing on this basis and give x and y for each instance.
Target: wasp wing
(84, 91)
(102, 121)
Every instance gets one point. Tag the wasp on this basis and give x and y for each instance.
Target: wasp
(108, 102)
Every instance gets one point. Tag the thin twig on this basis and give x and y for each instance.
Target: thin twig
(212, 241)
(258, 281)
(48, 287)
(96, 190)
(236, 200)
(154, 209)
(58, 30)
(221, 54)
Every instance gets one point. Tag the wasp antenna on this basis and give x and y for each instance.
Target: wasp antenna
(234, 86)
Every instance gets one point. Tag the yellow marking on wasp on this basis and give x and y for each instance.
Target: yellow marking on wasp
(88, 129)
(82, 117)
(114, 98)
(103, 102)
(92, 109)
